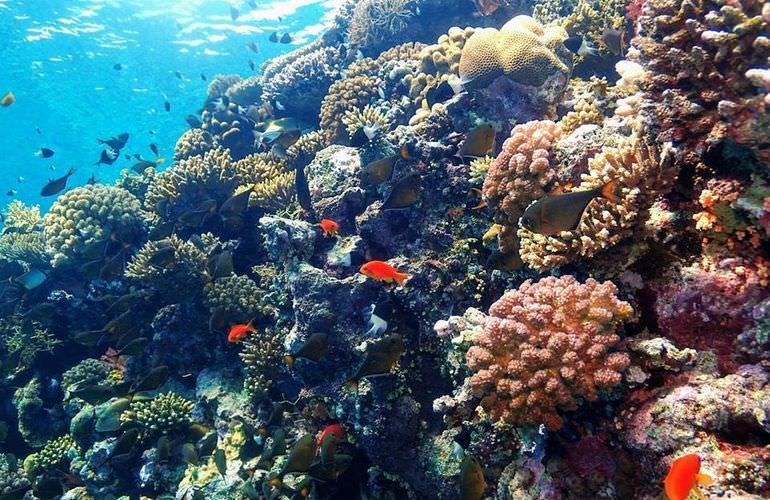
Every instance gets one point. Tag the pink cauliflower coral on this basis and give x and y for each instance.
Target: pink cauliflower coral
(546, 344)
(522, 172)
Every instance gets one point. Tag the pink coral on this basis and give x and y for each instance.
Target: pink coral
(546, 344)
(522, 172)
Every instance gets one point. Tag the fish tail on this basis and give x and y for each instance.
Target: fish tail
(608, 191)
(401, 278)
(351, 385)
(289, 360)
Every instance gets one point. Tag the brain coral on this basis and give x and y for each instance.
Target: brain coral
(642, 176)
(546, 344)
(522, 50)
(87, 215)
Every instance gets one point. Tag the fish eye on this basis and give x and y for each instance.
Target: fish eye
(526, 222)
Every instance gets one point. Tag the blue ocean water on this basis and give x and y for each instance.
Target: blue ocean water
(59, 59)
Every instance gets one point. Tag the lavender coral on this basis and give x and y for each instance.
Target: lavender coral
(544, 346)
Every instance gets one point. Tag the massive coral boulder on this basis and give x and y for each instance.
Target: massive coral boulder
(544, 346)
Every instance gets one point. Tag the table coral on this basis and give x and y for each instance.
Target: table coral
(89, 215)
(522, 50)
(545, 345)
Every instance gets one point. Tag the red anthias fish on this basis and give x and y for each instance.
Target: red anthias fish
(335, 429)
(684, 477)
(240, 332)
(329, 227)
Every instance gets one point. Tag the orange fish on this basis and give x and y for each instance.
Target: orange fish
(684, 476)
(7, 100)
(329, 227)
(239, 332)
(380, 271)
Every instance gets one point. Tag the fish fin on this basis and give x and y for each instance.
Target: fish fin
(401, 278)
(704, 479)
(481, 205)
(608, 191)
(351, 385)
(289, 360)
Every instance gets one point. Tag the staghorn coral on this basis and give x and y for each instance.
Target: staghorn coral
(25, 340)
(642, 175)
(193, 142)
(479, 169)
(270, 179)
(21, 217)
(345, 95)
(522, 50)
(262, 357)
(546, 344)
(53, 456)
(90, 215)
(239, 298)
(699, 57)
(376, 22)
(522, 172)
(22, 237)
(301, 84)
(160, 415)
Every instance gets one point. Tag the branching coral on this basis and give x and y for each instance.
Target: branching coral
(22, 236)
(699, 56)
(522, 172)
(270, 179)
(164, 413)
(89, 215)
(369, 121)
(25, 340)
(345, 95)
(544, 346)
(54, 455)
(220, 83)
(262, 356)
(180, 269)
(522, 50)
(584, 112)
(12, 477)
(641, 174)
(239, 298)
(377, 22)
(88, 372)
(193, 142)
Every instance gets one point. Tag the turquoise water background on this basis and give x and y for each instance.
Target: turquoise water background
(58, 59)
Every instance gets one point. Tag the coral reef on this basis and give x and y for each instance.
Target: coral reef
(161, 414)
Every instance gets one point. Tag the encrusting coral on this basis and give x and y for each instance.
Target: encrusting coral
(90, 215)
(545, 345)
(523, 50)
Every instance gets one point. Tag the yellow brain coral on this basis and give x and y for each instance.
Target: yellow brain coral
(522, 50)
(87, 215)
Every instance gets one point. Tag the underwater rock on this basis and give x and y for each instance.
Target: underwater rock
(287, 241)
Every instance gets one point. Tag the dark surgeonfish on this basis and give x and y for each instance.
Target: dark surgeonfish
(116, 143)
(56, 185)
(108, 157)
(553, 214)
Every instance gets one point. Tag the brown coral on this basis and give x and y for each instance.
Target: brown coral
(345, 95)
(544, 346)
(522, 50)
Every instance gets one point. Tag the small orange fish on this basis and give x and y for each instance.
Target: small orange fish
(7, 100)
(684, 477)
(239, 332)
(381, 271)
(329, 227)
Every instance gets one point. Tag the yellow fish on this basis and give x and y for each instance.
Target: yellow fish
(7, 100)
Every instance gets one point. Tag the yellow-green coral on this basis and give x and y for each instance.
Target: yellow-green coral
(187, 261)
(584, 112)
(239, 297)
(193, 142)
(88, 215)
(374, 22)
(344, 95)
(21, 217)
(523, 50)
(269, 178)
(161, 414)
(25, 340)
(370, 120)
(479, 169)
(262, 356)
(53, 456)
(22, 236)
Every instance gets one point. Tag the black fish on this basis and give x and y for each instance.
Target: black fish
(553, 214)
(11, 192)
(108, 157)
(128, 157)
(38, 130)
(193, 121)
(142, 165)
(614, 40)
(115, 143)
(44, 153)
(253, 47)
(117, 67)
(203, 77)
(167, 106)
(286, 38)
(57, 185)
(313, 349)
(154, 148)
(234, 13)
(303, 191)
(220, 266)
(405, 192)
(439, 93)
(274, 37)
(154, 379)
(92, 180)
(251, 65)
(178, 75)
